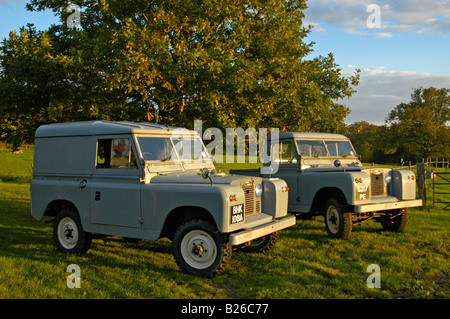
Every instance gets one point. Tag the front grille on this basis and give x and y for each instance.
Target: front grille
(252, 203)
(258, 205)
(378, 186)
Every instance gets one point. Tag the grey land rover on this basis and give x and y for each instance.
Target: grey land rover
(326, 177)
(149, 181)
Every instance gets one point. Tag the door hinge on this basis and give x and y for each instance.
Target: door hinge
(140, 220)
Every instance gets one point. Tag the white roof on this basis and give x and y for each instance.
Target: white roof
(101, 127)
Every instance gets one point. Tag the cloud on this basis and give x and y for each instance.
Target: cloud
(354, 16)
(383, 35)
(380, 90)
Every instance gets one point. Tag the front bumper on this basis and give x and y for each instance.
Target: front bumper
(260, 231)
(387, 206)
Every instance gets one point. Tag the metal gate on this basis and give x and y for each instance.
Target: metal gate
(442, 178)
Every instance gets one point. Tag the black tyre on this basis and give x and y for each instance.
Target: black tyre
(396, 221)
(263, 244)
(337, 222)
(68, 233)
(200, 250)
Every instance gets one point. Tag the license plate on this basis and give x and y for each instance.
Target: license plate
(362, 192)
(237, 213)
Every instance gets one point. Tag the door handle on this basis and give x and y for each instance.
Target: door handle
(82, 184)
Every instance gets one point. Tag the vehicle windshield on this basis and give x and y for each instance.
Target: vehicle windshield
(319, 148)
(184, 148)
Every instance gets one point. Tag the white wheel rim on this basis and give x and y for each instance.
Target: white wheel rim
(68, 233)
(198, 249)
(333, 219)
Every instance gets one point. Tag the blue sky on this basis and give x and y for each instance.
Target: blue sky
(411, 48)
(408, 47)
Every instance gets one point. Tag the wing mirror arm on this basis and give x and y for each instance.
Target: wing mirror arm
(206, 173)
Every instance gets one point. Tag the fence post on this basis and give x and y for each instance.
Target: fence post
(421, 182)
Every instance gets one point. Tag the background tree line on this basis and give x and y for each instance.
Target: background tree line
(412, 131)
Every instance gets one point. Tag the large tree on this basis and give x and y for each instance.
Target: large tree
(365, 138)
(420, 128)
(228, 63)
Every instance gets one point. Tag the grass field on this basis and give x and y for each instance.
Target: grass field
(305, 263)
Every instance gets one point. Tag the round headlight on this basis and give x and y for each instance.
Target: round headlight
(258, 190)
(388, 177)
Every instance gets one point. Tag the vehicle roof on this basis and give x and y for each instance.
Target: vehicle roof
(311, 135)
(101, 127)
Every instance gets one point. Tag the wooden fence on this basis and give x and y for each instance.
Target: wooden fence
(436, 162)
(7, 148)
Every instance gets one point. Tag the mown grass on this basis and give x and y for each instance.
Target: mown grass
(305, 263)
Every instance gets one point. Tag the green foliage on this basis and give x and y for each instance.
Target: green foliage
(364, 137)
(420, 128)
(229, 63)
(414, 130)
(28, 83)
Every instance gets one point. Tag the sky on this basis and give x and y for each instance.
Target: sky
(398, 45)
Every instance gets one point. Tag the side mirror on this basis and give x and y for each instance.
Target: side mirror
(206, 173)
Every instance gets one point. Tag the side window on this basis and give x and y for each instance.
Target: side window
(286, 153)
(115, 153)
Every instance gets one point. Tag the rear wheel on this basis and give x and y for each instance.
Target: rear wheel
(200, 250)
(68, 233)
(263, 244)
(396, 221)
(337, 222)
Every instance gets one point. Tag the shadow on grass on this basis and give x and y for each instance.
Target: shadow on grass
(37, 244)
(316, 230)
(11, 178)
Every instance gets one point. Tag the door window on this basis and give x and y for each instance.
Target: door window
(286, 153)
(115, 153)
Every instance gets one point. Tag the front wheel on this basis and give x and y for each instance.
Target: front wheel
(337, 222)
(200, 250)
